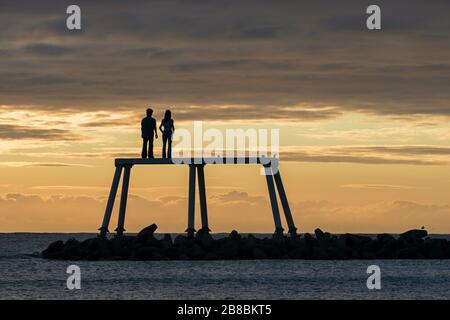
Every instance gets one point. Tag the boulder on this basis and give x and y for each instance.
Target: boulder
(319, 234)
(308, 237)
(196, 252)
(166, 242)
(149, 253)
(205, 239)
(159, 255)
(246, 249)
(179, 240)
(167, 237)
(143, 253)
(147, 234)
(258, 253)
(410, 253)
(337, 251)
(385, 237)
(72, 250)
(368, 255)
(272, 251)
(211, 256)
(234, 235)
(279, 239)
(298, 253)
(148, 230)
(98, 248)
(55, 246)
(230, 250)
(293, 242)
(53, 251)
(437, 253)
(437, 248)
(355, 254)
(414, 234)
(386, 253)
(119, 247)
(172, 253)
(251, 240)
(183, 256)
(354, 240)
(72, 242)
(319, 253)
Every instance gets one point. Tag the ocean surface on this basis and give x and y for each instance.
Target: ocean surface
(23, 275)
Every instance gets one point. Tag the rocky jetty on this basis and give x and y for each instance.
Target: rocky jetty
(413, 244)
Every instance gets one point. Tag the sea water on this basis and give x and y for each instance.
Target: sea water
(24, 275)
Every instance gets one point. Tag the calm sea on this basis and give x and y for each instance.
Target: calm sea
(26, 276)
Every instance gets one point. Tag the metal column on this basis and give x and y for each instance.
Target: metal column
(285, 204)
(191, 204)
(202, 192)
(273, 199)
(123, 201)
(109, 206)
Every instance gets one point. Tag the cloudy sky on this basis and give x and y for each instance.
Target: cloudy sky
(363, 115)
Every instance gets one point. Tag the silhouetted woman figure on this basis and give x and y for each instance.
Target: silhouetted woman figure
(167, 128)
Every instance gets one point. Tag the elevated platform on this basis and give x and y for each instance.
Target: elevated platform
(217, 160)
(197, 168)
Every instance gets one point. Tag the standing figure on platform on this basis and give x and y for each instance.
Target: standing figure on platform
(148, 126)
(167, 128)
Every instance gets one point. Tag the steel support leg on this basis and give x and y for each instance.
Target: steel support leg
(273, 200)
(202, 192)
(285, 204)
(191, 204)
(123, 201)
(110, 204)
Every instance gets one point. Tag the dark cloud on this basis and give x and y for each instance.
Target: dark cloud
(47, 49)
(52, 164)
(266, 54)
(359, 159)
(23, 164)
(260, 32)
(409, 155)
(106, 123)
(15, 132)
(405, 150)
(257, 112)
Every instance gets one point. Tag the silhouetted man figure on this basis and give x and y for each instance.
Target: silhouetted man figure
(148, 126)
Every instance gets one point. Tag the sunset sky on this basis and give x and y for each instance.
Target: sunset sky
(363, 115)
